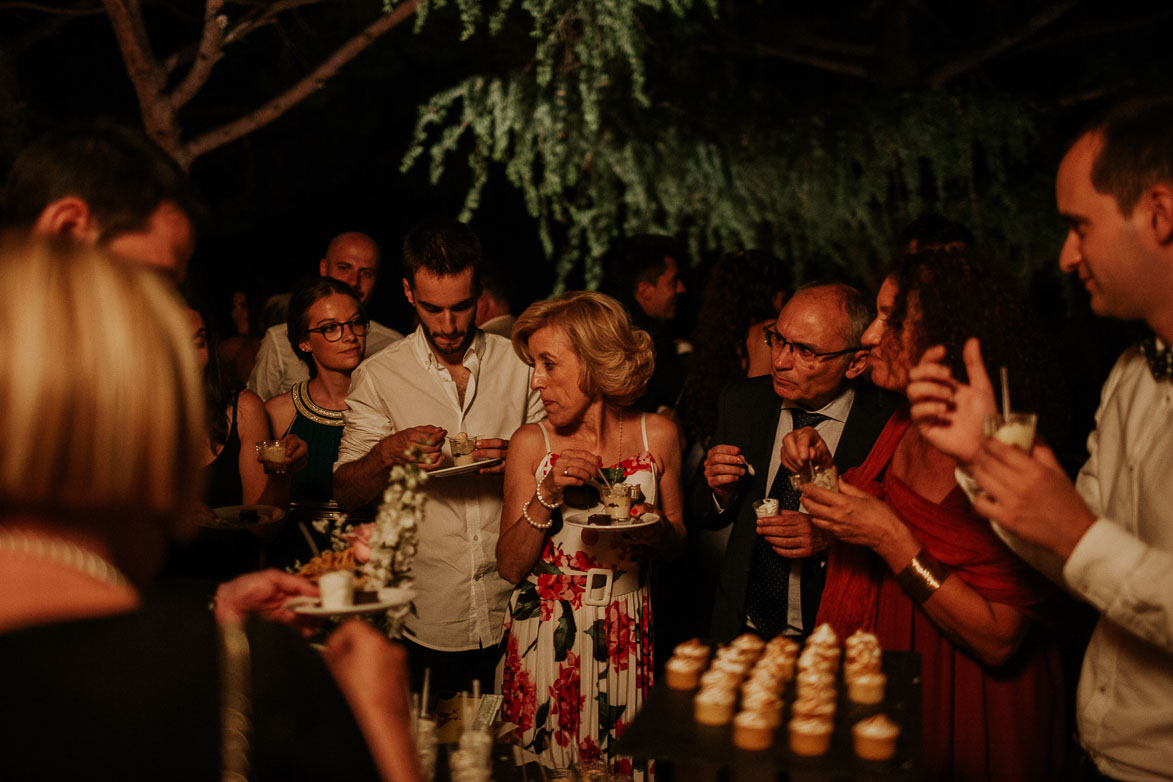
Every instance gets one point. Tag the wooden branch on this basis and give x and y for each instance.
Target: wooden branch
(823, 63)
(147, 76)
(250, 23)
(1035, 23)
(207, 55)
(311, 82)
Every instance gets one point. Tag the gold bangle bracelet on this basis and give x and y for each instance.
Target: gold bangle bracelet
(922, 576)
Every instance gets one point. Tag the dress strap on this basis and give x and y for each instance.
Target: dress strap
(643, 425)
(546, 437)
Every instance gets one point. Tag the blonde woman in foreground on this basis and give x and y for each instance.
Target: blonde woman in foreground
(101, 450)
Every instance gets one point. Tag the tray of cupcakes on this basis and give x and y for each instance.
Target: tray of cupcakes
(846, 710)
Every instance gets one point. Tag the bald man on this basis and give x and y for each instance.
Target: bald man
(352, 258)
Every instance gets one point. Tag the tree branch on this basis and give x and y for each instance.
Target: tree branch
(207, 55)
(311, 82)
(250, 23)
(147, 76)
(823, 63)
(1035, 23)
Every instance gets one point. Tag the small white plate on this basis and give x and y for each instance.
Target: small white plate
(311, 606)
(228, 517)
(463, 468)
(579, 519)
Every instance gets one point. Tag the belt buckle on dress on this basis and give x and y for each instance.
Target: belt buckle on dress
(598, 587)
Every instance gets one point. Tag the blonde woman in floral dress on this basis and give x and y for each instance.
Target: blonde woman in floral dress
(577, 657)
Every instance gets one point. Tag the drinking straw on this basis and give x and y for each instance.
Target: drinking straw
(1005, 394)
(415, 713)
(424, 697)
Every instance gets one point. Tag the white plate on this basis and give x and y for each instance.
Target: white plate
(310, 606)
(228, 517)
(462, 469)
(579, 519)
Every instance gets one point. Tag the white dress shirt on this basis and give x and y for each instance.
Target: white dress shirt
(830, 429)
(278, 368)
(460, 598)
(1123, 566)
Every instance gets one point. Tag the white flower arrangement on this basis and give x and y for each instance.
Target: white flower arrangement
(394, 537)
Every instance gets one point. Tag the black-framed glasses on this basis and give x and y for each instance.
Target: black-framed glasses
(332, 331)
(778, 343)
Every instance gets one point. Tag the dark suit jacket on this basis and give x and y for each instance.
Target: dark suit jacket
(748, 418)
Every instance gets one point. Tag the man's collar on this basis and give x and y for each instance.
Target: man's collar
(1159, 355)
(837, 409)
(427, 356)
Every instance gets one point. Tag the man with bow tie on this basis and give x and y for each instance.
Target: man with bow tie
(1108, 537)
(774, 567)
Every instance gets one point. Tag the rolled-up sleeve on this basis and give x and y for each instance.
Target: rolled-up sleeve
(367, 419)
(1128, 580)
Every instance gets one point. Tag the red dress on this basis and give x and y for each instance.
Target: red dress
(980, 722)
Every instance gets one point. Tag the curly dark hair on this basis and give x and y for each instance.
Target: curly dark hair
(961, 293)
(739, 291)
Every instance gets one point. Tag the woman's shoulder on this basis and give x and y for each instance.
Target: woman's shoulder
(528, 439)
(662, 428)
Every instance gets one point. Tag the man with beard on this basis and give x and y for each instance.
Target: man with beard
(446, 377)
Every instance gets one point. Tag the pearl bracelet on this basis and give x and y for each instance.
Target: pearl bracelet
(530, 521)
(542, 500)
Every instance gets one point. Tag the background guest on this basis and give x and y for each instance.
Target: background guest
(327, 329)
(238, 352)
(589, 365)
(992, 679)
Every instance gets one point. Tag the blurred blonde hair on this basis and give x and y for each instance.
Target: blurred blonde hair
(617, 357)
(98, 385)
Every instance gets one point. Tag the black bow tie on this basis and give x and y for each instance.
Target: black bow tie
(1160, 358)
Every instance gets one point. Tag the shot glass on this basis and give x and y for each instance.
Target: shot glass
(272, 454)
(1018, 429)
(337, 588)
(823, 476)
(618, 501)
(766, 507)
(462, 445)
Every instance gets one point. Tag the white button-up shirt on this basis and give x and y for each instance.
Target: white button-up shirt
(1123, 566)
(460, 598)
(278, 368)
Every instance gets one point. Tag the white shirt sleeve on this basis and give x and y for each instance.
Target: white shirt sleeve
(1129, 581)
(265, 379)
(367, 420)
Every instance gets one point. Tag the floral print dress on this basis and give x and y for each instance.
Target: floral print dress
(574, 674)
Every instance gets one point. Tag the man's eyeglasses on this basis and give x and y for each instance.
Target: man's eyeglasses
(332, 331)
(778, 343)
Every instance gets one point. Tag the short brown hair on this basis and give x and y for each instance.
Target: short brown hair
(617, 357)
(1136, 150)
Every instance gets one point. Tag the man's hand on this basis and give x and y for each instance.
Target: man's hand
(491, 448)
(854, 516)
(724, 467)
(394, 448)
(802, 446)
(791, 534)
(1030, 495)
(264, 594)
(947, 412)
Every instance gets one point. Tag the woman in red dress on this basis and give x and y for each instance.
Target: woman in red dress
(915, 565)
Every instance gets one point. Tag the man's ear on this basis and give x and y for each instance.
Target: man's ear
(643, 291)
(857, 365)
(323, 266)
(407, 292)
(68, 216)
(1159, 201)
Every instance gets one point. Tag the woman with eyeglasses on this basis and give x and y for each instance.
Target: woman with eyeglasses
(913, 563)
(328, 331)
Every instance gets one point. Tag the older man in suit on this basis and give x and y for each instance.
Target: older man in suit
(774, 568)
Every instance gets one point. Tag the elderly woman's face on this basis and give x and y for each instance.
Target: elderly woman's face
(892, 353)
(558, 373)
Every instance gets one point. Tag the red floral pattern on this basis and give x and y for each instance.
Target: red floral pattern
(575, 708)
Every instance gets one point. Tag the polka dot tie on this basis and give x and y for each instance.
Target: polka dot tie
(767, 589)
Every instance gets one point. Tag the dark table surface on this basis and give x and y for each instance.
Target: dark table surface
(666, 731)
